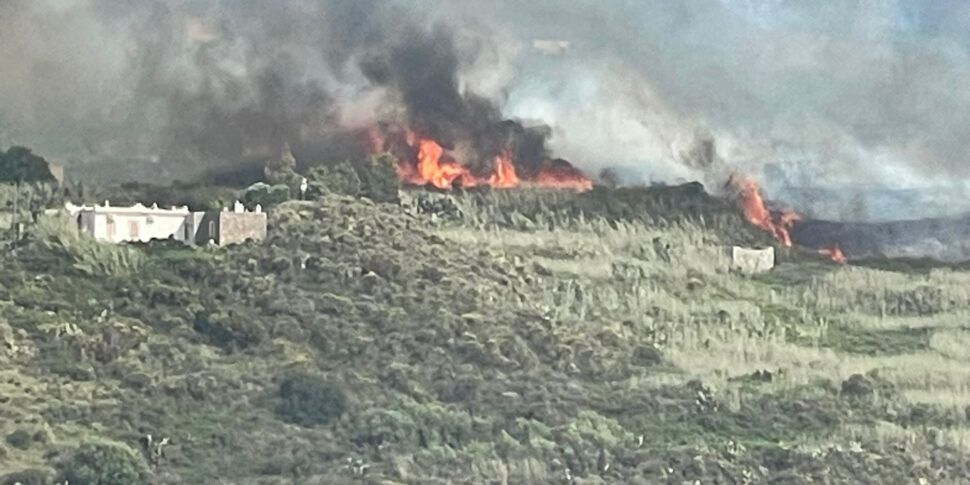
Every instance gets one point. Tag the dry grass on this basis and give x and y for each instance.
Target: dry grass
(716, 325)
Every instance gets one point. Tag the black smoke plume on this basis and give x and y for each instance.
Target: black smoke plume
(198, 85)
(422, 70)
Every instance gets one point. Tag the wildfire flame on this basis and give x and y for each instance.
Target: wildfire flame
(560, 174)
(756, 212)
(779, 224)
(504, 176)
(834, 253)
(433, 168)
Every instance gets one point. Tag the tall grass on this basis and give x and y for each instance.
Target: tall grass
(60, 233)
(607, 278)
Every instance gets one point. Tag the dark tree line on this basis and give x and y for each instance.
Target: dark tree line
(19, 165)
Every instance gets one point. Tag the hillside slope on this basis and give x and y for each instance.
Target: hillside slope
(481, 338)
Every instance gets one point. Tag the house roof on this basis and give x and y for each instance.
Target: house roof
(136, 209)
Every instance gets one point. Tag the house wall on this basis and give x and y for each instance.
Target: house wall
(208, 228)
(141, 227)
(237, 227)
(139, 223)
(193, 226)
(752, 260)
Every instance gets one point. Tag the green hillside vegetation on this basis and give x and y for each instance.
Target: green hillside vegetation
(522, 336)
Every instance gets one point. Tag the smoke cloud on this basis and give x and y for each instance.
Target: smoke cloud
(832, 94)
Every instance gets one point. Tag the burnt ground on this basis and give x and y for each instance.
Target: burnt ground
(944, 240)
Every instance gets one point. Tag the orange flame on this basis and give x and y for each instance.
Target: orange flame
(431, 169)
(757, 213)
(562, 175)
(834, 253)
(504, 176)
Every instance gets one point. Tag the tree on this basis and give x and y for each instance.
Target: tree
(19, 165)
(340, 178)
(379, 179)
(283, 170)
(374, 178)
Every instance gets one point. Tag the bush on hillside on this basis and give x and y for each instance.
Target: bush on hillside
(340, 178)
(19, 439)
(30, 476)
(309, 400)
(81, 252)
(104, 462)
(233, 330)
(378, 177)
(264, 195)
(374, 178)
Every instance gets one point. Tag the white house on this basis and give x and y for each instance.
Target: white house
(142, 224)
(135, 223)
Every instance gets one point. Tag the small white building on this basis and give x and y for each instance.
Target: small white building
(134, 224)
(752, 261)
(138, 223)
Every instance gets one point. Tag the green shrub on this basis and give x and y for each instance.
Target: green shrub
(340, 178)
(30, 199)
(265, 195)
(375, 178)
(104, 463)
(19, 439)
(233, 330)
(310, 400)
(31, 476)
(378, 179)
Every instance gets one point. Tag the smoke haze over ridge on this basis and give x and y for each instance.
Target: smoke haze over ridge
(824, 93)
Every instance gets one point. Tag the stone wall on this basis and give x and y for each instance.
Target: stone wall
(236, 227)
